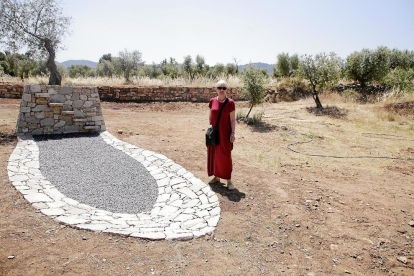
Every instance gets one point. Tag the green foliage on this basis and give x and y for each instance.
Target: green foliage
(350, 94)
(402, 59)
(286, 66)
(105, 68)
(368, 66)
(283, 65)
(170, 69)
(254, 86)
(401, 80)
(153, 71)
(127, 63)
(322, 71)
(231, 69)
(107, 57)
(77, 71)
(255, 119)
(199, 67)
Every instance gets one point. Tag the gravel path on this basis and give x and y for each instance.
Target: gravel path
(87, 169)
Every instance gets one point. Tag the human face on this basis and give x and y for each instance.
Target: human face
(221, 92)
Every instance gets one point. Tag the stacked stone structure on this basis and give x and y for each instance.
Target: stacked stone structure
(47, 109)
(137, 93)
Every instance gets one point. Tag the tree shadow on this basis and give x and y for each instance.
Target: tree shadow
(234, 195)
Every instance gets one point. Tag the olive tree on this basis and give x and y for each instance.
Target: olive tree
(368, 66)
(321, 71)
(126, 62)
(37, 26)
(254, 86)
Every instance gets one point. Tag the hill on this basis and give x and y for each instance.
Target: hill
(69, 63)
(259, 65)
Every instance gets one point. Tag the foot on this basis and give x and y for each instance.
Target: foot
(215, 180)
(230, 186)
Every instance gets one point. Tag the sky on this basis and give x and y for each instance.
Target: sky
(221, 31)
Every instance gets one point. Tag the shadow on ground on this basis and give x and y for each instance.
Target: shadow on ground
(234, 195)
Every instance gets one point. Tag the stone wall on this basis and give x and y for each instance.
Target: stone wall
(164, 94)
(138, 94)
(47, 109)
(11, 90)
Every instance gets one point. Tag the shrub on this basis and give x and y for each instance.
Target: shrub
(254, 86)
(350, 94)
(401, 80)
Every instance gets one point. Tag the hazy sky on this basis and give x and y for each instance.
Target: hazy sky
(253, 31)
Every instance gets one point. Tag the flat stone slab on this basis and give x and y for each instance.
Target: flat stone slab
(185, 208)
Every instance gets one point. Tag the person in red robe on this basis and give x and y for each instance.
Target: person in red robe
(219, 162)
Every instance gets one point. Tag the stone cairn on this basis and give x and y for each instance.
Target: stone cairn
(52, 109)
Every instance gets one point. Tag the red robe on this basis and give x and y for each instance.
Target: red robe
(219, 161)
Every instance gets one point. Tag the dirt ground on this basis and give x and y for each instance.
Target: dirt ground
(291, 214)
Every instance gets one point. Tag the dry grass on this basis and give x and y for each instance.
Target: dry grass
(232, 81)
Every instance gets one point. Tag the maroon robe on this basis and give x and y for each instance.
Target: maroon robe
(219, 161)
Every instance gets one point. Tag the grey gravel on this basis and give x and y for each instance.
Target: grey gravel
(85, 168)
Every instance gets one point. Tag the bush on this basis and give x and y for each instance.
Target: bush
(401, 80)
(254, 86)
(350, 94)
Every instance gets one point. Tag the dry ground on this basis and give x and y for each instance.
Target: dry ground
(291, 214)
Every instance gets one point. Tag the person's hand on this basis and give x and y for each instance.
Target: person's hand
(232, 137)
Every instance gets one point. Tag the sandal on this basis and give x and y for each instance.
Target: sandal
(230, 186)
(215, 180)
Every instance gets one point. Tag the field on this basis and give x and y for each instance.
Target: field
(291, 214)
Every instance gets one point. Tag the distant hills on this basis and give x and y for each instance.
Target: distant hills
(92, 64)
(71, 62)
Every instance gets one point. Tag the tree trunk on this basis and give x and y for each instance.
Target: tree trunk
(364, 92)
(251, 107)
(55, 78)
(317, 101)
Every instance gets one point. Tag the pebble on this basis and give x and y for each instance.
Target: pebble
(402, 259)
(120, 131)
(10, 257)
(411, 223)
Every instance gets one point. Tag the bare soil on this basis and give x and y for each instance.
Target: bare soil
(291, 214)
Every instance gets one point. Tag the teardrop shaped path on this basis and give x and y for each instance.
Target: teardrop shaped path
(185, 207)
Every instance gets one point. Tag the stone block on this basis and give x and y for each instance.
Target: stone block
(38, 131)
(47, 122)
(97, 118)
(92, 127)
(69, 129)
(75, 97)
(79, 114)
(83, 97)
(42, 95)
(41, 101)
(78, 104)
(27, 97)
(60, 124)
(41, 108)
(57, 98)
(65, 90)
(51, 91)
(56, 104)
(40, 115)
(87, 104)
(32, 120)
(25, 109)
(35, 88)
(68, 112)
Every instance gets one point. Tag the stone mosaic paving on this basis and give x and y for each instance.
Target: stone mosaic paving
(186, 207)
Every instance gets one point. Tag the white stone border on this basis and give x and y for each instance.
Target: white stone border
(185, 208)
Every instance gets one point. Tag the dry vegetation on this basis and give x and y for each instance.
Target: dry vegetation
(292, 214)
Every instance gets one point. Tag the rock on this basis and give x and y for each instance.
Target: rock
(120, 131)
(10, 257)
(347, 272)
(334, 247)
(402, 259)
(411, 223)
